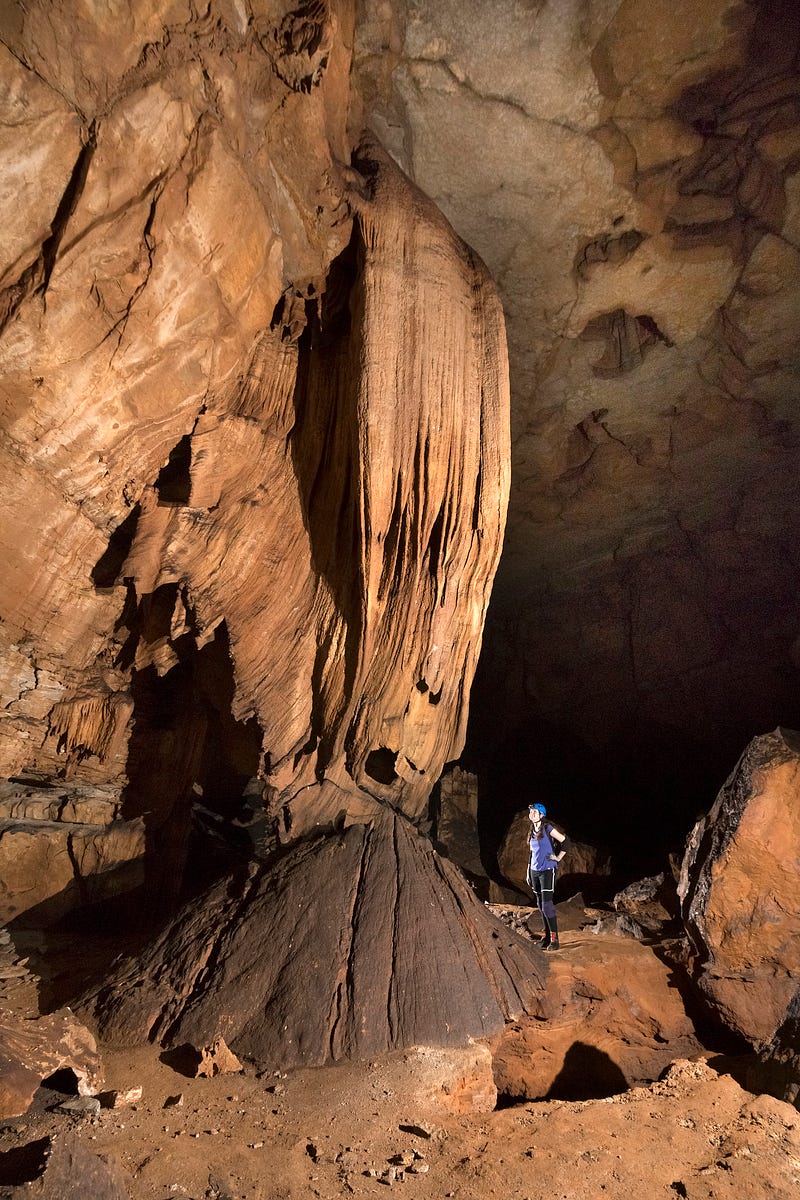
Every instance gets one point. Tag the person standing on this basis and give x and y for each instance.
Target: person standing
(543, 862)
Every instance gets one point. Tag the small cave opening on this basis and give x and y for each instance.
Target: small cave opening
(380, 765)
(64, 1081)
(193, 771)
(174, 482)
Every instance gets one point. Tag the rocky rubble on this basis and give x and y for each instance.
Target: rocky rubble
(35, 1046)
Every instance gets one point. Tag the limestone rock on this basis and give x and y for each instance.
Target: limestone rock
(648, 906)
(48, 868)
(740, 890)
(33, 1047)
(619, 1023)
(375, 943)
(777, 1066)
(256, 483)
(60, 1167)
(217, 1059)
(457, 820)
(456, 1080)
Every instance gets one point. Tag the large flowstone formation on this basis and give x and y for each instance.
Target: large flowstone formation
(255, 436)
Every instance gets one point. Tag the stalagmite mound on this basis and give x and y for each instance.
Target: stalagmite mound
(348, 947)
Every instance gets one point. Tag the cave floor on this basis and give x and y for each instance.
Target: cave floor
(335, 1131)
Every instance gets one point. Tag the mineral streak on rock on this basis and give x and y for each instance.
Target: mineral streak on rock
(740, 892)
(349, 946)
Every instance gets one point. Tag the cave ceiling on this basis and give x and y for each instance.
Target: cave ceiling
(629, 173)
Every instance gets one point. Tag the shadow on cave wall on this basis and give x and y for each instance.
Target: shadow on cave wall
(192, 771)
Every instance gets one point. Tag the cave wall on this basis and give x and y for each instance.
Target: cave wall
(629, 172)
(254, 423)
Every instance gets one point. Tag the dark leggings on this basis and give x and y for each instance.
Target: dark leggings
(543, 884)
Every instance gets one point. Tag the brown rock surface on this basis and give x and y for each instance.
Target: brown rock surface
(615, 1020)
(255, 485)
(374, 943)
(740, 890)
(63, 1168)
(33, 1047)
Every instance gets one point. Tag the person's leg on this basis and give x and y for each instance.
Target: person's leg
(547, 885)
(536, 879)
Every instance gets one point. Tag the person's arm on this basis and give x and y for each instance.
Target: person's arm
(556, 836)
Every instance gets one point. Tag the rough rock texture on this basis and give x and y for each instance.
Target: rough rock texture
(254, 413)
(62, 1168)
(622, 1021)
(33, 1047)
(629, 172)
(61, 848)
(349, 946)
(582, 867)
(740, 892)
(777, 1070)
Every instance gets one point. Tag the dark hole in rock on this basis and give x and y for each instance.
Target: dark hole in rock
(174, 483)
(380, 765)
(108, 566)
(64, 1081)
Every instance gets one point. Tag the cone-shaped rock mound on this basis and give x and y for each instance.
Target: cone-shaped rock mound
(350, 945)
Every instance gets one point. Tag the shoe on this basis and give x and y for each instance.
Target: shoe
(544, 940)
(552, 945)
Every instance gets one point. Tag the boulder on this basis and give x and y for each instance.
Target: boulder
(777, 1065)
(740, 891)
(616, 1021)
(350, 945)
(33, 1047)
(647, 908)
(62, 1168)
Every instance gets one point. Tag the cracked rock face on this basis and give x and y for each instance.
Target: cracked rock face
(629, 173)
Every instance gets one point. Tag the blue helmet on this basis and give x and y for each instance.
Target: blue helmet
(539, 808)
